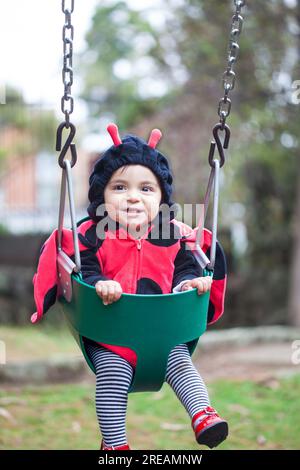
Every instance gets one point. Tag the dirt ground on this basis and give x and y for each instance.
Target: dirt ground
(258, 362)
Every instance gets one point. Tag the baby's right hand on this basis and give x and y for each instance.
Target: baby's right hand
(109, 291)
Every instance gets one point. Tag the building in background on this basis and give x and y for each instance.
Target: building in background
(30, 187)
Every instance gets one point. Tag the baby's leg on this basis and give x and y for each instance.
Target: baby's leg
(186, 381)
(113, 378)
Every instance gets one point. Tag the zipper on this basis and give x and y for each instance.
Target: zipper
(138, 264)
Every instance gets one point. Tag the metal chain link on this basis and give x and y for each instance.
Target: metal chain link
(67, 101)
(237, 21)
(224, 109)
(65, 264)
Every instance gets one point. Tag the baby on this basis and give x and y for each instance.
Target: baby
(131, 253)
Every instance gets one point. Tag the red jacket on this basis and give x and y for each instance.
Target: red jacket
(154, 264)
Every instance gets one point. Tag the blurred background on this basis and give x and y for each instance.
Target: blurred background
(142, 65)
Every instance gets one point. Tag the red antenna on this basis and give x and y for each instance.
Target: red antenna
(154, 138)
(114, 133)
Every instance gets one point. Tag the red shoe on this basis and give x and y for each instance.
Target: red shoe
(209, 428)
(123, 447)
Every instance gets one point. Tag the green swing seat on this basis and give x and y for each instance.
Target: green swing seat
(150, 325)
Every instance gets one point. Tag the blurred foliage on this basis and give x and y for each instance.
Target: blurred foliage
(34, 128)
(186, 47)
(124, 59)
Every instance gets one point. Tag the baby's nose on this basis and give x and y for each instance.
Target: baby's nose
(133, 195)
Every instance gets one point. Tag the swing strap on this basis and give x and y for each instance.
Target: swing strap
(67, 178)
(65, 264)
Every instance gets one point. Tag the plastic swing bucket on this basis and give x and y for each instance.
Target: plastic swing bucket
(150, 325)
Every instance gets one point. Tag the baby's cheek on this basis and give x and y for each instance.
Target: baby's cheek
(152, 210)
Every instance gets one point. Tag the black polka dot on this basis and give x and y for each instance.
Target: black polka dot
(220, 268)
(90, 239)
(50, 298)
(145, 285)
(164, 235)
(211, 312)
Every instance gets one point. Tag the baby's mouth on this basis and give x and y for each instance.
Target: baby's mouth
(131, 210)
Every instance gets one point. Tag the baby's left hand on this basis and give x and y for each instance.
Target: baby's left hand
(203, 284)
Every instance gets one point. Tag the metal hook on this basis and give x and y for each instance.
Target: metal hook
(219, 144)
(68, 144)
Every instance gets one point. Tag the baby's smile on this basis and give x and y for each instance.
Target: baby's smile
(134, 211)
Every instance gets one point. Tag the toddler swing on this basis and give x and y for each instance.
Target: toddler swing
(167, 319)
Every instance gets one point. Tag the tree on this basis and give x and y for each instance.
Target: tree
(123, 65)
(294, 299)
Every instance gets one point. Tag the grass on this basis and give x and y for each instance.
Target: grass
(37, 342)
(261, 416)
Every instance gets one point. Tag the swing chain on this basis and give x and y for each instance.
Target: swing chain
(67, 101)
(65, 265)
(224, 109)
(64, 9)
(237, 21)
(224, 106)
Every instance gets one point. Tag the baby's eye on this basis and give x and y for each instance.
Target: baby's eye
(118, 187)
(147, 188)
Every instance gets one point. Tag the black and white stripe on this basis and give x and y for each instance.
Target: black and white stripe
(186, 381)
(113, 378)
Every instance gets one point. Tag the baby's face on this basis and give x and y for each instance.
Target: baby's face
(132, 196)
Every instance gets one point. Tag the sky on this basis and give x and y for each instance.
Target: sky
(31, 44)
(31, 51)
(31, 47)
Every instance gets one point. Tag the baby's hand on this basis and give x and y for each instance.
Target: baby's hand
(203, 284)
(109, 291)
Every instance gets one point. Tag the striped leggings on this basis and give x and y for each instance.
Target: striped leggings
(113, 378)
